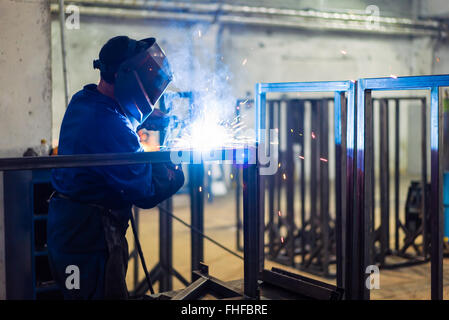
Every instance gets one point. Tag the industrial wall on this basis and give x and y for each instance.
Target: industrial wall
(25, 85)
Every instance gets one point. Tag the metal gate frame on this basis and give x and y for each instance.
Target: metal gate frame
(344, 95)
(363, 131)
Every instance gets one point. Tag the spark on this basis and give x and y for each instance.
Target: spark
(210, 125)
(208, 132)
(344, 52)
(176, 167)
(232, 176)
(279, 165)
(200, 189)
(199, 33)
(438, 59)
(291, 130)
(279, 213)
(323, 159)
(208, 196)
(301, 157)
(282, 239)
(208, 172)
(313, 135)
(284, 176)
(244, 61)
(393, 76)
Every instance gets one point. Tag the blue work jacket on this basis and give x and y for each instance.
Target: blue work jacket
(95, 123)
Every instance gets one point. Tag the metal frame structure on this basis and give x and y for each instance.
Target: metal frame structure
(316, 258)
(251, 221)
(343, 91)
(381, 235)
(360, 212)
(314, 238)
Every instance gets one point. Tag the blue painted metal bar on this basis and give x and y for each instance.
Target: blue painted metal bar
(351, 157)
(405, 83)
(316, 86)
(340, 129)
(432, 83)
(436, 194)
(107, 159)
(260, 115)
(339, 88)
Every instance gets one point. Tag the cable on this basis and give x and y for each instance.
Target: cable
(139, 250)
(199, 232)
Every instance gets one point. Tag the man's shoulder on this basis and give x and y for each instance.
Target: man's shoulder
(88, 102)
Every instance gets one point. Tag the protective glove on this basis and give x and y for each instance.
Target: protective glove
(156, 121)
(166, 179)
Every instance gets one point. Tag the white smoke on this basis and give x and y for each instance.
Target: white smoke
(210, 121)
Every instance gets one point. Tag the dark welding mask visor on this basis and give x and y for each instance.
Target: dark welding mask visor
(141, 80)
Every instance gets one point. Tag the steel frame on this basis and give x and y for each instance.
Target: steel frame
(299, 239)
(382, 234)
(342, 90)
(251, 221)
(310, 240)
(360, 221)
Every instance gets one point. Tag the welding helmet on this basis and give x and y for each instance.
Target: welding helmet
(141, 79)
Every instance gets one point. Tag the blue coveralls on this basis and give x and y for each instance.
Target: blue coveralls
(94, 123)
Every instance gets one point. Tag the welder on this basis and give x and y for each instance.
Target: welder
(91, 207)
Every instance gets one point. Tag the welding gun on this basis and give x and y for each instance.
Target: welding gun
(159, 121)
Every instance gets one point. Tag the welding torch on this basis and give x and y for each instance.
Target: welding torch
(159, 121)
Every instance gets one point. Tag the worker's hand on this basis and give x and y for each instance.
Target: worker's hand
(156, 121)
(167, 179)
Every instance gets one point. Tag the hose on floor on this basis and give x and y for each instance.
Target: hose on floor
(139, 248)
(200, 233)
(142, 259)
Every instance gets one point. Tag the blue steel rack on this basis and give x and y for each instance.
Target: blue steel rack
(360, 219)
(344, 95)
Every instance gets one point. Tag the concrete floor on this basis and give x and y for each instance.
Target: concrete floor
(405, 283)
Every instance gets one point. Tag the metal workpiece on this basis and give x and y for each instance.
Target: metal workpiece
(163, 270)
(340, 125)
(362, 196)
(411, 232)
(128, 158)
(252, 219)
(196, 189)
(343, 95)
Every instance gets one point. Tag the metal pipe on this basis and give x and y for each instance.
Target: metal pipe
(213, 8)
(263, 16)
(63, 51)
(109, 159)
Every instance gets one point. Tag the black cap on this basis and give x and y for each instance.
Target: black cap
(115, 52)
